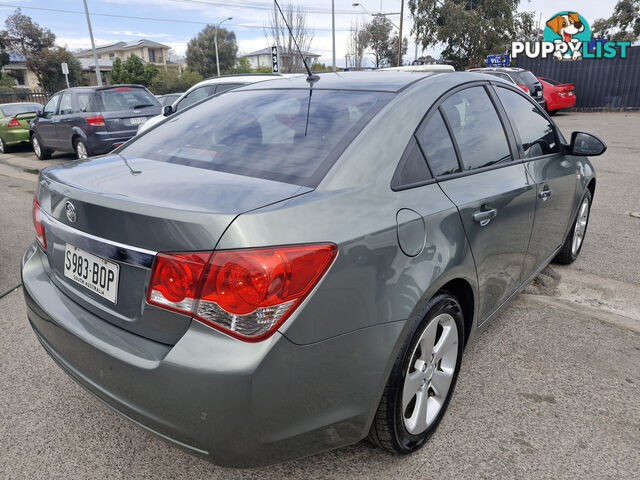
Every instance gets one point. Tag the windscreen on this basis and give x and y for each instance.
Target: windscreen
(125, 98)
(291, 136)
(11, 110)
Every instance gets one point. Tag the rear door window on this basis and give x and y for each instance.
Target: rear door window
(412, 170)
(477, 129)
(537, 135)
(438, 147)
(66, 105)
(126, 98)
(84, 101)
(284, 135)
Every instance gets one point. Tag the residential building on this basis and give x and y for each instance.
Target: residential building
(262, 58)
(17, 68)
(147, 50)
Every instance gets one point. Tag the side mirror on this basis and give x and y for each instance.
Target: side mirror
(584, 144)
(167, 110)
(39, 113)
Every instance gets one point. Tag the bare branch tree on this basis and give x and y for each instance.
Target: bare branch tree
(357, 41)
(277, 33)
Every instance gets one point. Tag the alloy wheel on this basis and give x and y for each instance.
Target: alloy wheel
(2, 145)
(430, 374)
(36, 146)
(81, 150)
(580, 227)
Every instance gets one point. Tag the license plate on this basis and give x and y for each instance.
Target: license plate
(137, 120)
(92, 272)
(571, 94)
(539, 93)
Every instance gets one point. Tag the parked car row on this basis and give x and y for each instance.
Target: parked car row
(293, 266)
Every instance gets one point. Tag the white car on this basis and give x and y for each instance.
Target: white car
(208, 88)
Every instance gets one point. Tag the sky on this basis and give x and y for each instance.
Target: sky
(174, 22)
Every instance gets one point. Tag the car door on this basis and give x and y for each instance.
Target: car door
(46, 128)
(553, 173)
(482, 176)
(63, 123)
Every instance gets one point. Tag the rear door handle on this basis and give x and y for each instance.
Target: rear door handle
(545, 193)
(483, 217)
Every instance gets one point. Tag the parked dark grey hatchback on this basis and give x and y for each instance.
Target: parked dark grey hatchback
(91, 120)
(292, 267)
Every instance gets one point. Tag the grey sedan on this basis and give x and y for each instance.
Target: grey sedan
(290, 268)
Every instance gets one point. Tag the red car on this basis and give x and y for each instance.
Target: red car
(558, 95)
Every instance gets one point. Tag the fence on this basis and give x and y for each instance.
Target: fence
(20, 95)
(601, 84)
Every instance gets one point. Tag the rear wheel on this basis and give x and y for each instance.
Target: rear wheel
(82, 149)
(40, 150)
(573, 243)
(3, 146)
(422, 379)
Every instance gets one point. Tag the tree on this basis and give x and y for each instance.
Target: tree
(357, 42)
(37, 44)
(277, 33)
(243, 66)
(381, 42)
(390, 57)
(469, 29)
(622, 26)
(171, 81)
(132, 70)
(201, 53)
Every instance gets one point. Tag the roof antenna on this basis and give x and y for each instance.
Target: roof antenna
(311, 78)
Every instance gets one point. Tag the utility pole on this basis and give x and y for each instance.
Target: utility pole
(93, 44)
(276, 34)
(215, 42)
(333, 32)
(400, 33)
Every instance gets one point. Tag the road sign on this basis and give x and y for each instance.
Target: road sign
(498, 60)
(275, 68)
(65, 68)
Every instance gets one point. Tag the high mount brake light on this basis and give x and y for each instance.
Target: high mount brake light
(96, 120)
(37, 223)
(13, 123)
(246, 293)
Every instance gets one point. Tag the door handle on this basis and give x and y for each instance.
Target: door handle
(545, 193)
(483, 217)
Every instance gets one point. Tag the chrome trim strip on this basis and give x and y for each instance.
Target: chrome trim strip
(102, 247)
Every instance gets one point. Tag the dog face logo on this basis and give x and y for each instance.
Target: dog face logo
(567, 30)
(566, 25)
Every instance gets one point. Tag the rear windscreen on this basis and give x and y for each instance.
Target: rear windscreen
(284, 135)
(126, 98)
(552, 82)
(528, 78)
(11, 110)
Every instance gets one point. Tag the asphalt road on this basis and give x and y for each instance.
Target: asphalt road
(551, 389)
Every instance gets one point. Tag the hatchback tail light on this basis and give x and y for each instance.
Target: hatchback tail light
(96, 120)
(37, 223)
(13, 123)
(525, 88)
(246, 293)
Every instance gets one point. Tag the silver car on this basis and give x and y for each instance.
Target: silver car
(307, 270)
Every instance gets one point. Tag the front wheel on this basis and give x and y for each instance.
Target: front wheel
(573, 243)
(40, 150)
(422, 379)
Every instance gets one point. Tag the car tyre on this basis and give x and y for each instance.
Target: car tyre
(405, 420)
(575, 238)
(40, 150)
(3, 146)
(82, 149)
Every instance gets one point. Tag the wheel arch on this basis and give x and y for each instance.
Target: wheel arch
(591, 186)
(461, 289)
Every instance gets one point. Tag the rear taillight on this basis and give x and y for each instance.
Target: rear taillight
(37, 223)
(525, 88)
(13, 123)
(246, 293)
(96, 121)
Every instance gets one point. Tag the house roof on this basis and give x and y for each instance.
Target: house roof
(283, 51)
(110, 47)
(89, 64)
(16, 57)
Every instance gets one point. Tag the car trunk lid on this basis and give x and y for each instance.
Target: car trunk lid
(127, 210)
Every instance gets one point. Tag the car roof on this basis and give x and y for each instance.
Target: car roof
(242, 78)
(381, 81)
(498, 69)
(19, 103)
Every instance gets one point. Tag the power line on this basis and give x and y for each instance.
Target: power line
(153, 19)
(263, 6)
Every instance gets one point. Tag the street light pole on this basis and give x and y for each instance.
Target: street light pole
(93, 44)
(215, 42)
(333, 32)
(400, 33)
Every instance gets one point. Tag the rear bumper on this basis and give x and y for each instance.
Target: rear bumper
(103, 142)
(240, 404)
(15, 135)
(557, 102)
